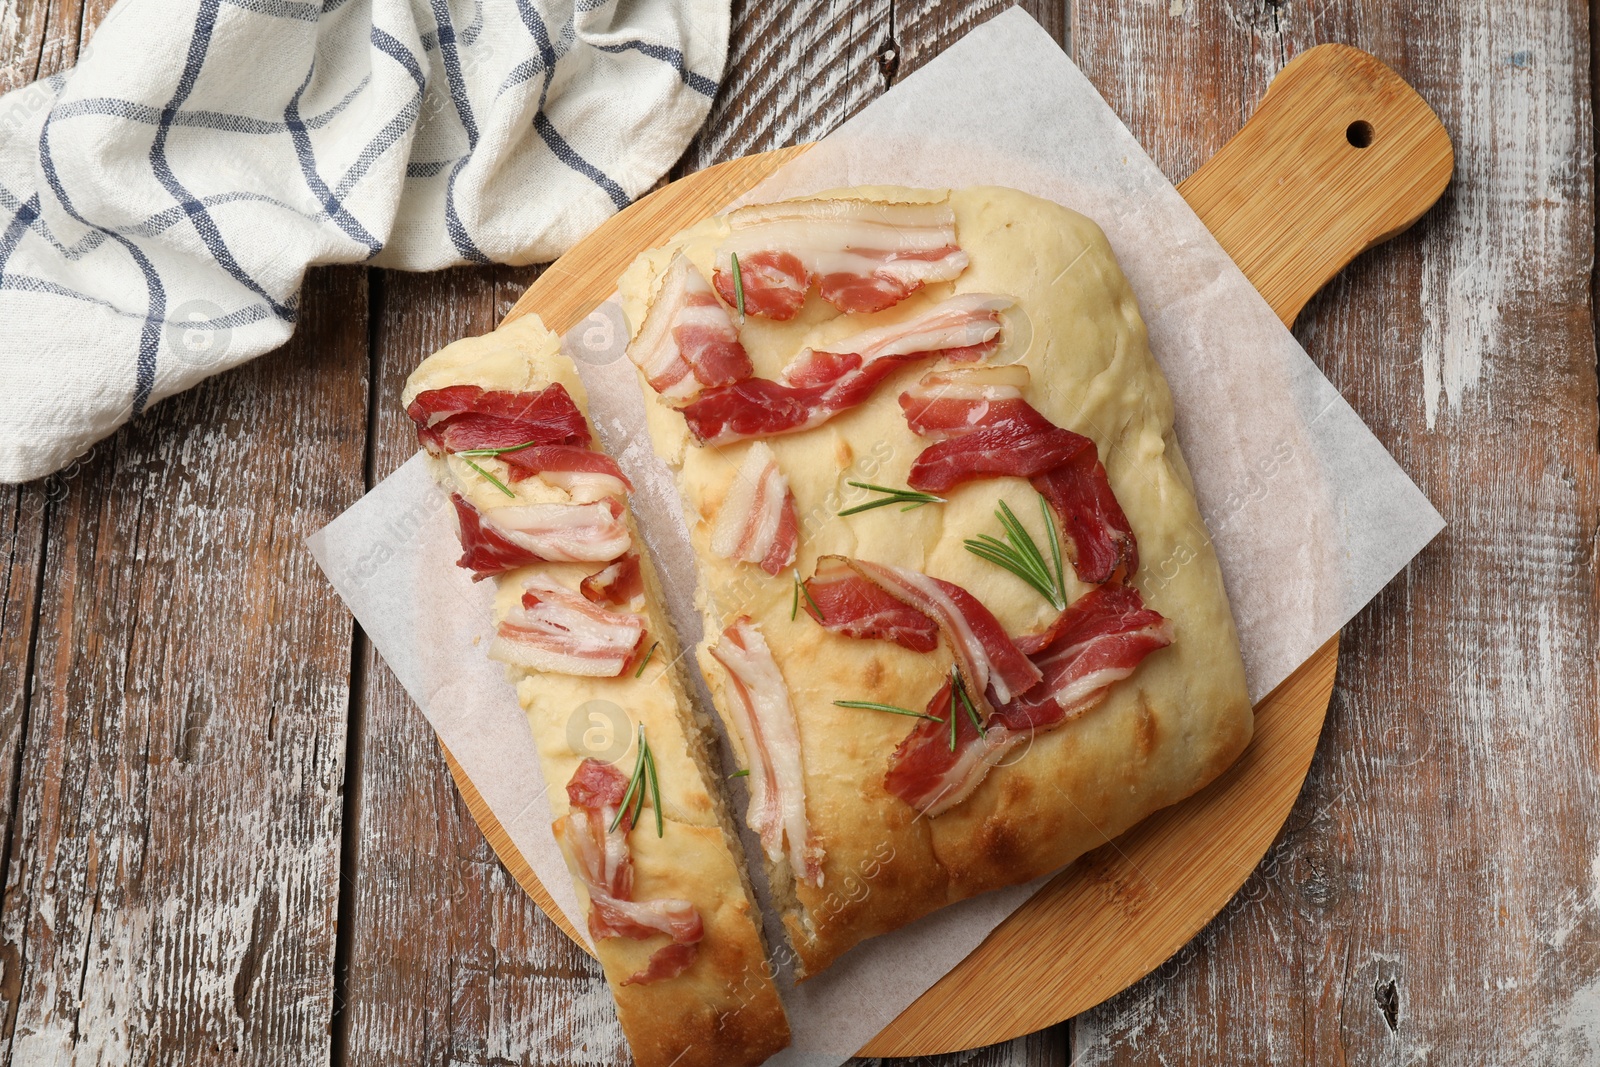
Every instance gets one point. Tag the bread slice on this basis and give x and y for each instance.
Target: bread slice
(722, 1009)
(1156, 737)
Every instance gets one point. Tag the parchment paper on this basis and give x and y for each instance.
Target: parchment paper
(1311, 517)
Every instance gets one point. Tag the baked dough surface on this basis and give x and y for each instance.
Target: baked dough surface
(724, 1009)
(1161, 734)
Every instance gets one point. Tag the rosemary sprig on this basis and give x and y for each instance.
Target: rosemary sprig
(496, 482)
(496, 451)
(958, 688)
(959, 697)
(633, 785)
(909, 497)
(799, 589)
(646, 661)
(1055, 544)
(738, 285)
(655, 787)
(644, 778)
(1020, 555)
(890, 708)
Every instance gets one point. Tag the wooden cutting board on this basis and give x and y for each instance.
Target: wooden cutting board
(1341, 155)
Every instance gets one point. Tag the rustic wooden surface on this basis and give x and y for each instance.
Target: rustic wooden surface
(204, 769)
(1436, 894)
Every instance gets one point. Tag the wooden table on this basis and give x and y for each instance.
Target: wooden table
(230, 837)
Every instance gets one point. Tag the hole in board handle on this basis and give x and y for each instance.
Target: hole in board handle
(1359, 133)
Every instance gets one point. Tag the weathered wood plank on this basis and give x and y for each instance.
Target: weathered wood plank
(119, 940)
(23, 509)
(924, 28)
(173, 868)
(794, 72)
(1434, 895)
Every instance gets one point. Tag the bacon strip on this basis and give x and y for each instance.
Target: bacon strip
(818, 384)
(688, 341)
(462, 417)
(1012, 438)
(757, 521)
(668, 961)
(601, 860)
(864, 255)
(928, 775)
(619, 583)
(494, 542)
(579, 470)
(986, 432)
(964, 328)
(555, 629)
(851, 605)
(546, 429)
(952, 402)
(485, 550)
(1099, 640)
(994, 668)
(760, 710)
(775, 284)
(1081, 496)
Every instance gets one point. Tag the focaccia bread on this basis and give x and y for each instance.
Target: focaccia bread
(656, 862)
(961, 346)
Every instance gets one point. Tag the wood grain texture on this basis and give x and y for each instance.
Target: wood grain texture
(1434, 896)
(1340, 156)
(171, 775)
(1439, 870)
(36, 40)
(172, 869)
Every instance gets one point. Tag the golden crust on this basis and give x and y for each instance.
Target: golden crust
(1162, 734)
(724, 1009)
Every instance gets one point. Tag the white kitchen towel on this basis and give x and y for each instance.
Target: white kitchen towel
(160, 202)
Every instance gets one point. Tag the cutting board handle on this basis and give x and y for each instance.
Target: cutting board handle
(1342, 154)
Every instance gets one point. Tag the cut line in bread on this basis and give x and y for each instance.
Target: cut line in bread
(633, 774)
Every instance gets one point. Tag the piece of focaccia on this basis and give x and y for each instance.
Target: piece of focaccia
(964, 621)
(628, 761)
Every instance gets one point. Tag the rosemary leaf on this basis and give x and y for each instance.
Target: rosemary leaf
(738, 285)
(890, 708)
(633, 784)
(1020, 555)
(794, 608)
(496, 451)
(646, 661)
(810, 599)
(959, 688)
(641, 770)
(909, 497)
(655, 786)
(740, 774)
(1003, 558)
(496, 482)
(1055, 544)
